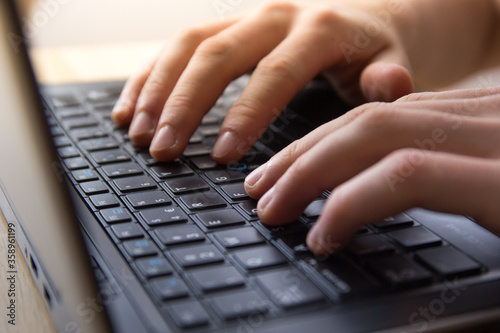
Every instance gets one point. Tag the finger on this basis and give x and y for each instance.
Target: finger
(163, 77)
(215, 63)
(405, 179)
(451, 94)
(350, 150)
(123, 111)
(262, 179)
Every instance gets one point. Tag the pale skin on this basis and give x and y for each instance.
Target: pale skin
(433, 150)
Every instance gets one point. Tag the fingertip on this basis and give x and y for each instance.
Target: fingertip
(386, 82)
(122, 113)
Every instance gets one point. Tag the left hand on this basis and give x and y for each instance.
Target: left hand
(438, 151)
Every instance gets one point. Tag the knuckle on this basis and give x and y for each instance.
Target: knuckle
(323, 18)
(279, 66)
(375, 115)
(191, 35)
(215, 47)
(155, 83)
(407, 165)
(279, 8)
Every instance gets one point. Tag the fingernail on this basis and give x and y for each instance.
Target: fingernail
(142, 124)
(265, 200)
(119, 111)
(225, 144)
(164, 139)
(255, 176)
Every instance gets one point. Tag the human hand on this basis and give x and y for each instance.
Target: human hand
(287, 44)
(432, 150)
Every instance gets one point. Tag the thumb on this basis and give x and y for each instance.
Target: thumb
(386, 79)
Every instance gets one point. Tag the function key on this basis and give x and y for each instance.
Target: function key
(148, 199)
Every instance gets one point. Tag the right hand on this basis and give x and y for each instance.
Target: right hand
(287, 45)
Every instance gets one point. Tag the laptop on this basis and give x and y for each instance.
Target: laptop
(117, 242)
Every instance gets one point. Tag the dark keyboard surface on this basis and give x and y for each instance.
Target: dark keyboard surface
(191, 233)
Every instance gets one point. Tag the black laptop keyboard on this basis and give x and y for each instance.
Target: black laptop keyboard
(192, 235)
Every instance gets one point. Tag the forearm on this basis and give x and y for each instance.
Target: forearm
(448, 39)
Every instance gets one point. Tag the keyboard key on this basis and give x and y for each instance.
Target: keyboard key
(140, 248)
(289, 288)
(189, 314)
(239, 237)
(79, 122)
(76, 163)
(171, 169)
(210, 279)
(70, 113)
(69, 151)
(369, 245)
(220, 218)
(93, 187)
(128, 184)
(239, 305)
(86, 133)
(169, 288)
(115, 215)
(225, 176)
(156, 216)
(399, 271)
(249, 207)
(197, 255)
(203, 200)
(314, 209)
(148, 199)
(84, 175)
(173, 235)
(448, 261)
(122, 169)
(186, 184)
(99, 144)
(146, 158)
(61, 141)
(127, 230)
(106, 200)
(235, 191)
(400, 220)
(259, 257)
(156, 266)
(417, 237)
(197, 149)
(203, 162)
(64, 101)
(110, 156)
